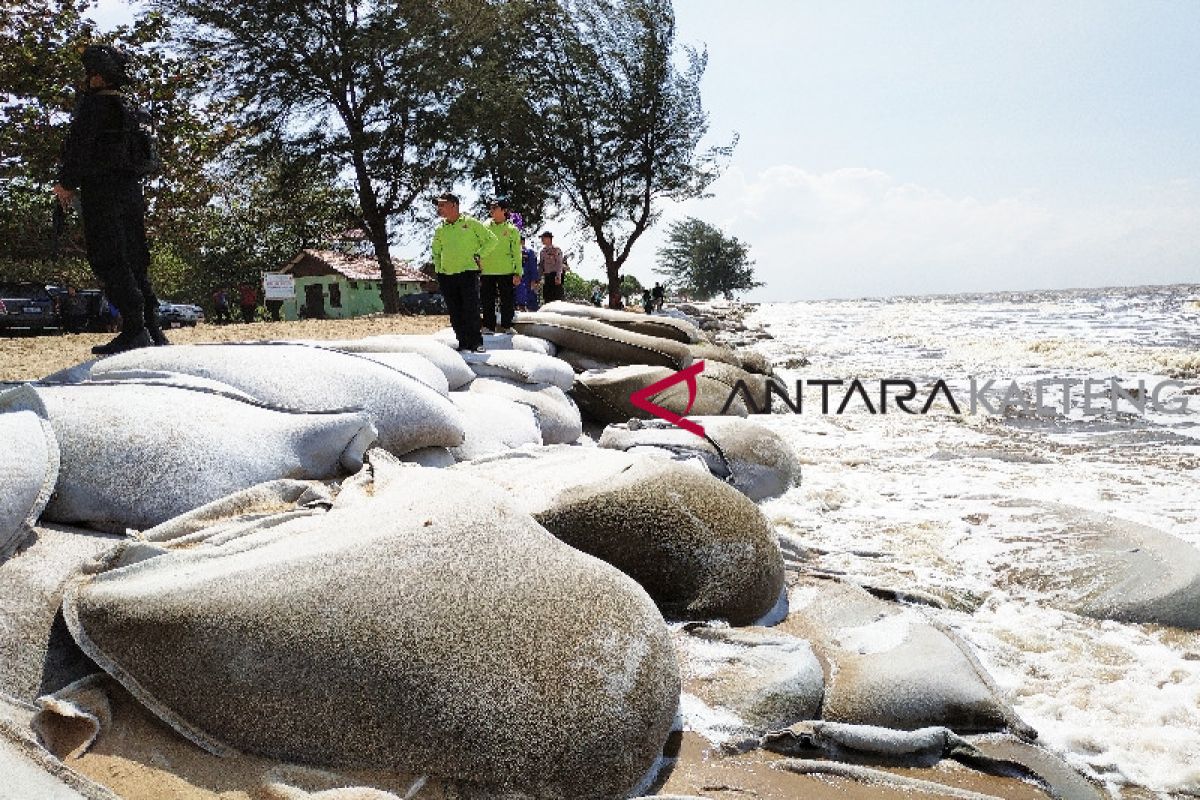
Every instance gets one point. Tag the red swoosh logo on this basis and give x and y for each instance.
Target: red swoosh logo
(641, 398)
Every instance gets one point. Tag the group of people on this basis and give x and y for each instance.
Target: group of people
(247, 301)
(480, 266)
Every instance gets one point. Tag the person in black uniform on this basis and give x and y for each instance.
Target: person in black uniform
(96, 163)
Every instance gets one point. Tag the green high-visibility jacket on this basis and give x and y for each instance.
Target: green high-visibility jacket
(455, 245)
(505, 258)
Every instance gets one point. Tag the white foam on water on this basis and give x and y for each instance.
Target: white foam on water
(940, 503)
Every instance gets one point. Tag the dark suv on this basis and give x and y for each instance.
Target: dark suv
(26, 306)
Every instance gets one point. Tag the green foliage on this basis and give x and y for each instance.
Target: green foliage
(618, 121)
(370, 85)
(704, 263)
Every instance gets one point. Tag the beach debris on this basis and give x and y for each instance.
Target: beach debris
(428, 625)
(698, 546)
(135, 455)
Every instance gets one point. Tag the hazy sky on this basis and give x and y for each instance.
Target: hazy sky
(910, 147)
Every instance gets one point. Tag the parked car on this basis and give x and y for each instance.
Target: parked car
(423, 303)
(172, 315)
(26, 306)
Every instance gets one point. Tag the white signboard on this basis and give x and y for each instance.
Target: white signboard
(277, 286)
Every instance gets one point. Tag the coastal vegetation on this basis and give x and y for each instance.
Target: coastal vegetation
(284, 124)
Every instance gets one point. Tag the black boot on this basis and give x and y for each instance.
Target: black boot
(126, 340)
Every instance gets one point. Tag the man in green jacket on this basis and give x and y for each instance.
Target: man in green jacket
(501, 269)
(459, 246)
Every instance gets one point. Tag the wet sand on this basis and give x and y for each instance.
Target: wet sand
(25, 358)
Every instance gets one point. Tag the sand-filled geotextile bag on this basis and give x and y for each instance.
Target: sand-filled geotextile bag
(888, 665)
(664, 327)
(557, 415)
(28, 471)
(750, 457)
(698, 546)
(37, 654)
(603, 341)
(493, 425)
(518, 365)
(436, 351)
(424, 625)
(604, 395)
(407, 413)
(502, 341)
(135, 455)
(1101, 566)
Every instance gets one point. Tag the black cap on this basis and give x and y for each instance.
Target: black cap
(107, 61)
(446, 198)
(498, 202)
(545, 234)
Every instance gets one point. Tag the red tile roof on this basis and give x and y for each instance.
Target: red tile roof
(357, 268)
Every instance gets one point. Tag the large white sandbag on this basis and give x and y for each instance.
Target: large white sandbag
(662, 326)
(37, 654)
(1102, 566)
(134, 455)
(28, 471)
(435, 350)
(605, 395)
(699, 547)
(407, 413)
(29, 772)
(426, 626)
(502, 341)
(493, 425)
(887, 665)
(521, 366)
(604, 342)
(752, 458)
(416, 366)
(557, 415)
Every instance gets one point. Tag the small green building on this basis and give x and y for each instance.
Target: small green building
(333, 285)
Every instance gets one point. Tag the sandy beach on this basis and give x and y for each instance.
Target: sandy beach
(26, 358)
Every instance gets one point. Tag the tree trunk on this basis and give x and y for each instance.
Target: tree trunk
(612, 268)
(389, 291)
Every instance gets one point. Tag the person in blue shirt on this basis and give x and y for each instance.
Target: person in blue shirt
(527, 290)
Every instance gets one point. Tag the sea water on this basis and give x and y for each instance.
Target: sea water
(941, 502)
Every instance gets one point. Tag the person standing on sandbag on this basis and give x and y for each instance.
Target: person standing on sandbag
(501, 270)
(551, 265)
(106, 154)
(459, 245)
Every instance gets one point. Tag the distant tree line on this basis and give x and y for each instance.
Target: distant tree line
(283, 124)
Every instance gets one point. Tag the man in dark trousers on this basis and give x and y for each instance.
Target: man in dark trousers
(98, 163)
(500, 270)
(459, 245)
